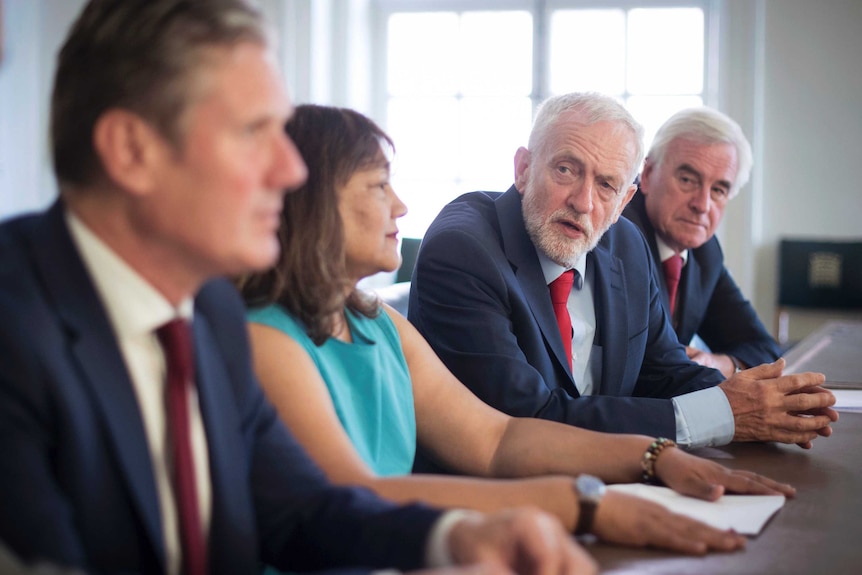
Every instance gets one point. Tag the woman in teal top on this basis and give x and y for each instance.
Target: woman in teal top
(366, 380)
(318, 344)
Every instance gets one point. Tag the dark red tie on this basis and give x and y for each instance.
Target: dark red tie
(560, 289)
(672, 272)
(175, 337)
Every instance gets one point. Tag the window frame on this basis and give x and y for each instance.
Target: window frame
(541, 12)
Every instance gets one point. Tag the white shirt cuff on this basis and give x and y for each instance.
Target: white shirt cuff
(437, 552)
(703, 418)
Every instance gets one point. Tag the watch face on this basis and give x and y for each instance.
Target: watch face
(590, 488)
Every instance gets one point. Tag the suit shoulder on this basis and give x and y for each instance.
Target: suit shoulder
(471, 214)
(219, 300)
(710, 253)
(624, 235)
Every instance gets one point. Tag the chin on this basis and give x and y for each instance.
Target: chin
(263, 257)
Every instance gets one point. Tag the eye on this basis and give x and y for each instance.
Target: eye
(687, 181)
(719, 194)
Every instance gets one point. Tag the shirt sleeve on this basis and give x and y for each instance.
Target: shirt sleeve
(703, 418)
(438, 554)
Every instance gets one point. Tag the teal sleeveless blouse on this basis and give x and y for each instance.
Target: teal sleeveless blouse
(369, 383)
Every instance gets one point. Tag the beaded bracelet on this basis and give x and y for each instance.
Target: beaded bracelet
(650, 455)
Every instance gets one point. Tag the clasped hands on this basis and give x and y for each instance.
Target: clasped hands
(769, 406)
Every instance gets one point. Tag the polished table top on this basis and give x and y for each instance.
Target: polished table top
(834, 350)
(818, 531)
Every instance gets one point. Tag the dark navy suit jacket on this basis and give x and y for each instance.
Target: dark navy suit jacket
(710, 303)
(76, 480)
(480, 298)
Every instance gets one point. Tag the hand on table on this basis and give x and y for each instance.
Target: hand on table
(769, 406)
(628, 520)
(522, 540)
(698, 477)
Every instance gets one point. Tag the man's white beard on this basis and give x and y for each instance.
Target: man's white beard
(557, 247)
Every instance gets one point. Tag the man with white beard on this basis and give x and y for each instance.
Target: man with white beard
(604, 355)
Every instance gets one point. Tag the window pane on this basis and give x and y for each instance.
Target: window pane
(492, 129)
(665, 51)
(587, 51)
(425, 132)
(497, 53)
(423, 53)
(424, 199)
(652, 111)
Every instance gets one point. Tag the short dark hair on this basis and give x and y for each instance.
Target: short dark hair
(140, 55)
(310, 277)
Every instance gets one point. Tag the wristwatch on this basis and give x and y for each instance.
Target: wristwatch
(590, 490)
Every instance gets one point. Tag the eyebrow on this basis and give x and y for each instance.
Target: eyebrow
(690, 168)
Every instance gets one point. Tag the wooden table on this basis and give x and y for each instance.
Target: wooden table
(817, 532)
(834, 350)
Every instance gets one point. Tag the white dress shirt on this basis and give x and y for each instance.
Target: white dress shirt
(135, 310)
(702, 417)
(583, 316)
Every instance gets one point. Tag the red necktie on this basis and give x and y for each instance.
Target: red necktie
(560, 289)
(175, 337)
(672, 272)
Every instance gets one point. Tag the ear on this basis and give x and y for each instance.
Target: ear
(628, 197)
(130, 149)
(522, 168)
(646, 173)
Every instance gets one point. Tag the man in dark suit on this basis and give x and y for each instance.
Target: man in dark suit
(480, 295)
(698, 161)
(128, 447)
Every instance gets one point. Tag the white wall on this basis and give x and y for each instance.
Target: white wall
(812, 129)
(790, 73)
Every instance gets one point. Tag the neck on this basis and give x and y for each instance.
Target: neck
(153, 258)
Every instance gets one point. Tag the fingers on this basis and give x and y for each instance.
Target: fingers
(698, 477)
(693, 537)
(632, 521)
(800, 382)
(765, 370)
(523, 540)
(750, 483)
(824, 411)
(576, 560)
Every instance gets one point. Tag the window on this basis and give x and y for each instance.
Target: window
(462, 80)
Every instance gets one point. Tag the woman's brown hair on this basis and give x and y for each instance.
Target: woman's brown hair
(310, 278)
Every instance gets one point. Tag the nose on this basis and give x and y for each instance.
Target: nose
(399, 208)
(700, 200)
(580, 196)
(288, 168)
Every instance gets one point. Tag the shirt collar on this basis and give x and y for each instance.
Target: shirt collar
(552, 270)
(665, 251)
(133, 305)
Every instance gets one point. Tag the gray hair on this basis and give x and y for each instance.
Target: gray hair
(142, 56)
(595, 107)
(705, 126)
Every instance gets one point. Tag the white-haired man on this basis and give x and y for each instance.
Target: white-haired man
(603, 355)
(698, 161)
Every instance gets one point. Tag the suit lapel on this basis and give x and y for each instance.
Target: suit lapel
(100, 362)
(521, 253)
(691, 298)
(609, 294)
(231, 505)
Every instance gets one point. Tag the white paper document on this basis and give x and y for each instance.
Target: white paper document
(848, 399)
(747, 514)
